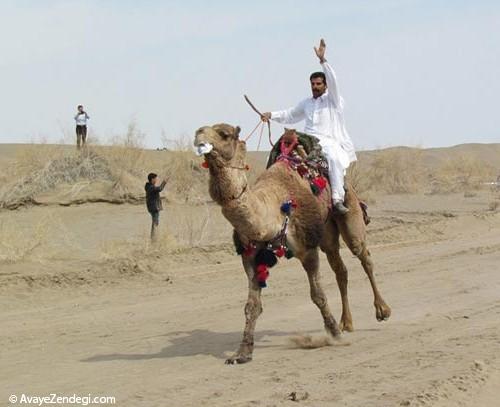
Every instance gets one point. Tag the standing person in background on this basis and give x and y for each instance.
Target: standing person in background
(81, 119)
(153, 201)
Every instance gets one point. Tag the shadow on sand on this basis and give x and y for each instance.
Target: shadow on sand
(191, 343)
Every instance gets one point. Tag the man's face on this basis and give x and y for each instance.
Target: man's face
(318, 87)
(154, 181)
(80, 109)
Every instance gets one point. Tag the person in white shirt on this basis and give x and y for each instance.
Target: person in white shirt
(324, 118)
(81, 119)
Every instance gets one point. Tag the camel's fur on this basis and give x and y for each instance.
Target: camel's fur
(255, 215)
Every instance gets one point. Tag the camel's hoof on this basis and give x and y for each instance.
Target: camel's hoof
(346, 326)
(238, 359)
(382, 312)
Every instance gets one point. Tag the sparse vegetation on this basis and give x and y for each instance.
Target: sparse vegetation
(188, 180)
(460, 174)
(392, 171)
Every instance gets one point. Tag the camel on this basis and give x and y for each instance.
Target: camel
(255, 214)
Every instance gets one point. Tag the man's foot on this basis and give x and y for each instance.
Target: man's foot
(339, 207)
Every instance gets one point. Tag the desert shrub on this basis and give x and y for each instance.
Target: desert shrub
(40, 168)
(190, 228)
(187, 180)
(138, 248)
(393, 171)
(36, 173)
(460, 174)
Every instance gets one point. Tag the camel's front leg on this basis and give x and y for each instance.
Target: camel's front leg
(311, 265)
(253, 309)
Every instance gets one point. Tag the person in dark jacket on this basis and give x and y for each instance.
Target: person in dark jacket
(153, 200)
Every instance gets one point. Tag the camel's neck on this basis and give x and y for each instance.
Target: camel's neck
(242, 207)
(228, 182)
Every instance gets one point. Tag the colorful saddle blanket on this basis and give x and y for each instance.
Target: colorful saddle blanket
(303, 154)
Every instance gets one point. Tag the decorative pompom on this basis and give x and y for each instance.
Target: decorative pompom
(285, 207)
(262, 274)
(262, 269)
(280, 252)
(315, 190)
(266, 256)
(204, 164)
(320, 182)
(289, 253)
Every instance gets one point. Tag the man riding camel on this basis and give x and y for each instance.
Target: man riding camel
(324, 119)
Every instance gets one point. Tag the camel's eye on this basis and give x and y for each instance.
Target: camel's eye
(223, 134)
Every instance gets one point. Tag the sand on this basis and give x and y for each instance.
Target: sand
(153, 328)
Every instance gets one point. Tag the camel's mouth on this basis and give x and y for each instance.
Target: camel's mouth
(203, 148)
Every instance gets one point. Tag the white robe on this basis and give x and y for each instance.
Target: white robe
(324, 119)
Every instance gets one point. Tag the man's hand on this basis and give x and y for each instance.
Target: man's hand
(320, 51)
(266, 117)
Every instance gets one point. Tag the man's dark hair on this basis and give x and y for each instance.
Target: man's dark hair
(151, 176)
(79, 106)
(315, 75)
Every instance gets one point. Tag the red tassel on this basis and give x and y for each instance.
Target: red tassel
(204, 164)
(320, 182)
(280, 252)
(247, 167)
(262, 273)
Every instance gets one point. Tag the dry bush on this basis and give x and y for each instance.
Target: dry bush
(187, 180)
(393, 171)
(41, 168)
(35, 173)
(136, 249)
(461, 174)
(127, 161)
(17, 245)
(358, 177)
(190, 227)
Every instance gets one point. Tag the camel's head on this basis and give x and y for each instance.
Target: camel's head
(220, 140)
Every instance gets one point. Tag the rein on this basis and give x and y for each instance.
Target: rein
(262, 128)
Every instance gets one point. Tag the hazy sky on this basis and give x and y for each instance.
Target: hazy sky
(412, 72)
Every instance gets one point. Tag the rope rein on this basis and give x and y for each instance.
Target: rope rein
(262, 128)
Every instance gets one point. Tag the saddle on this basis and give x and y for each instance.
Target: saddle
(303, 153)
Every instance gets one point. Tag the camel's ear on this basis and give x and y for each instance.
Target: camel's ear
(237, 130)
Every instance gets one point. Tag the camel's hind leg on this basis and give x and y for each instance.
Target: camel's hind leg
(353, 231)
(310, 261)
(330, 245)
(253, 309)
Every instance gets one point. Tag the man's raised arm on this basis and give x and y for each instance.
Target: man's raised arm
(331, 78)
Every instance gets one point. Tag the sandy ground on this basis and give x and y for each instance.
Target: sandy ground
(73, 321)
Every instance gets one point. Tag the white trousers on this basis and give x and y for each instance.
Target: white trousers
(338, 162)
